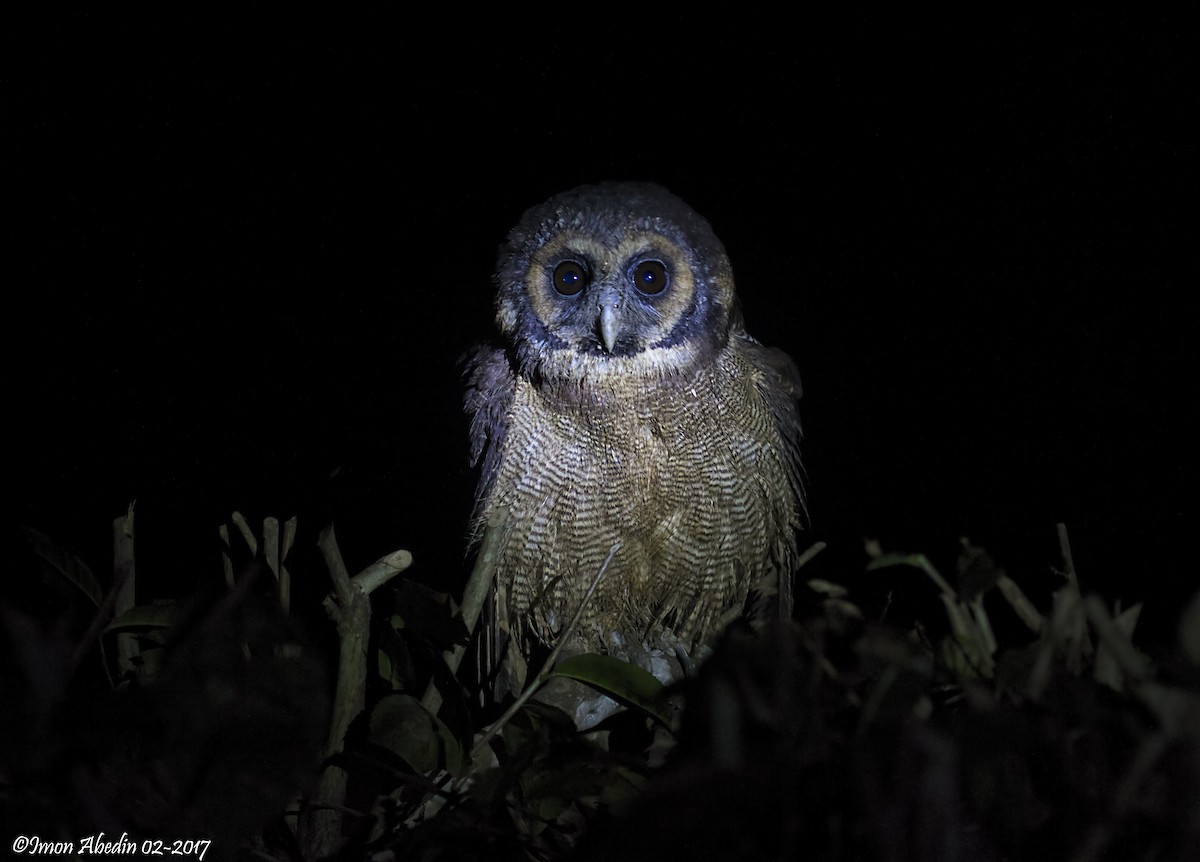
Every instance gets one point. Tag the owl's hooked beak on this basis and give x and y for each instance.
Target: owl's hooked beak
(610, 321)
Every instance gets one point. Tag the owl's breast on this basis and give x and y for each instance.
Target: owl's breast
(688, 477)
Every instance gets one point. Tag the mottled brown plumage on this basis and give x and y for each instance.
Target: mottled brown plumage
(630, 408)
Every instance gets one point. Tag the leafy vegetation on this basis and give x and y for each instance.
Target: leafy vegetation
(984, 724)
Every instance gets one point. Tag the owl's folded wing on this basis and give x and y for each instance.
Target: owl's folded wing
(781, 389)
(488, 398)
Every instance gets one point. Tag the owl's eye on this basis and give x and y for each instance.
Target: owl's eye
(570, 277)
(650, 277)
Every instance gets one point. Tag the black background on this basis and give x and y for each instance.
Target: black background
(245, 256)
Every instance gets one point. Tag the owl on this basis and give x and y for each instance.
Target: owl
(629, 418)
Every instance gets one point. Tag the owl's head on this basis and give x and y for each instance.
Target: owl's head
(613, 279)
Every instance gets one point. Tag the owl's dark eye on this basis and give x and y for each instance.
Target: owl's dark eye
(650, 277)
(570, 277)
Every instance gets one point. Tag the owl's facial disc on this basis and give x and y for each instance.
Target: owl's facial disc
(613, 280)
(610, 299)
(570, 278)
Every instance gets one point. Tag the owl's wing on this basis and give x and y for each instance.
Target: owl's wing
(491, 385)
(784, 396)
(783, 388)
(490, 388)
(782, 391)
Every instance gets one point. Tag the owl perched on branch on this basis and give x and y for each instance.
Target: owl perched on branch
(629, 409)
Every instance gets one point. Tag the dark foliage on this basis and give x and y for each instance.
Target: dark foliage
(833, 737)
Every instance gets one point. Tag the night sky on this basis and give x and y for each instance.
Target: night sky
(245, 257)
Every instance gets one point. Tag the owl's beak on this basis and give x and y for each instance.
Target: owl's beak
(610, 322)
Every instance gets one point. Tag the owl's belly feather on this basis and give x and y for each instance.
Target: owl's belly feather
(697, 496)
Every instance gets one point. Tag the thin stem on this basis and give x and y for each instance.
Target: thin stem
(548, 667)
(1064, 544)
